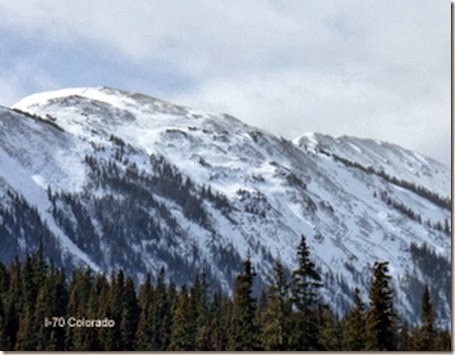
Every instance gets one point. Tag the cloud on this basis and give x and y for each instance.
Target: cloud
(361, 67)
(293, 102)
(23, 76)
(10, 90)
(216, 36)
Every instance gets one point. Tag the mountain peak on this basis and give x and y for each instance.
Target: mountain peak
(126, 180)
(108, 95)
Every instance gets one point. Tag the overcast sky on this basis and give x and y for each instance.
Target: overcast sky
(367, 68)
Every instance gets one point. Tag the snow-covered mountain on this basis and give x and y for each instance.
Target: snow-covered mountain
(115, 179)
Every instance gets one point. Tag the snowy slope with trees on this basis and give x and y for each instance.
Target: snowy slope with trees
(113, 179)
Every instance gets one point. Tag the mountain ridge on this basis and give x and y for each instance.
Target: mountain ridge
(135, 182)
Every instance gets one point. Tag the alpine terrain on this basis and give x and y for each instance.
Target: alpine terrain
(112, 179)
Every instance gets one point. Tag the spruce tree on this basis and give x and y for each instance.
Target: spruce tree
(182, 337)
(78, 299)
(200, 313)
(426, 333)
(3, 336)
(331, 332)
(14, 304)
(220, 315)
(143, 333)
(160, 315)
(306, 283)
(113, 336)
(97, 309)
(381, 319)
(355, 325)
(5, 279)
(130, 316)
(275, 318)
(43, 309)
(27, 336)
(4, 287)
(404, 342)
(443, 341)
(244, 336)
(11, 325)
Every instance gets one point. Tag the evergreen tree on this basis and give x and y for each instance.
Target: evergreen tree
(78, 299)
(355, 325)
(3, 336)
(5, 279)
(244, 336)
(51, 302)
(14, 304)
(97, 308)
(60, 295)
(27, 336)
(4, 287)
(220, 315)
(443, 341)
(11, 325)
(426, 334)
(182, 325)
(275, 318)
(331, 332)
(130, 315)
(306, 299)
(404, 342)
(200, 313)
(143, 333)
(113, 336)
(381, 320)
(160, 316)
(288, 316)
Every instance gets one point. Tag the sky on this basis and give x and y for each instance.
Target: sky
(365, 68)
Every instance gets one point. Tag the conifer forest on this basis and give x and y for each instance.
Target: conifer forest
(43, 308)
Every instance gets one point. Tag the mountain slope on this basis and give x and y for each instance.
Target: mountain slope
(392, 159)
(115, 179)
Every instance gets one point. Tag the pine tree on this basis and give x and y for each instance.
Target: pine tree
(306, 299)
(143, 333)
(182, 337)
(160, 316)
(244, 336)
(130, 316)
(60, 295)
(27, 336)
(381, 319)
(97, 308)
(355, 325)
(3, 336)
(200, 313)
(11, 325)
(426, 334)
(113, 336)
(220, 315)
(275, 318)
(13, 306)
(78, 299)
(5, 279)
(443, 341)
(4, 287)
(331, 332)
(44, 309)
(404, 339)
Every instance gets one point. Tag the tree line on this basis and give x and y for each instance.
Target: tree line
(40, 306)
